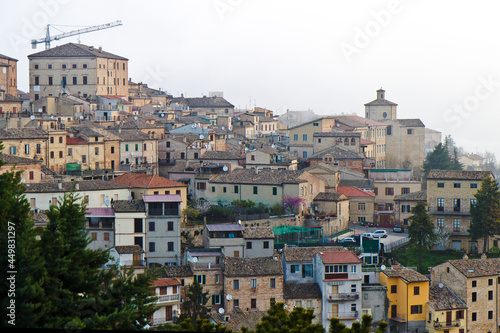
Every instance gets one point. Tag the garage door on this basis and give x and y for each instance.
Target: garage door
(456, 245)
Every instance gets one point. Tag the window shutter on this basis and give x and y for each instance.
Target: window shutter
(204, 279)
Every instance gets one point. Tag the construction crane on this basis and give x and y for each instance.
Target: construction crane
(47, 39)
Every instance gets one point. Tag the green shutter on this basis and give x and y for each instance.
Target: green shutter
(204, 279)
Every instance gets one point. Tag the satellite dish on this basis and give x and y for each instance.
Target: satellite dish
(193, 126)
(239, 142)
(39, 110)
(229, 297)
(162, 115)
(221, 310)
(382, 267)
(273, 146)
(135, 118)
(440, 285)
(32, 117)
(239, 221)
(106, 202)
(222, 127)
(201, 137)
(246, 148)
(51, 117)
(132, 153)
(23, 180)
(195, 259)
(81, 117)
(224, 168)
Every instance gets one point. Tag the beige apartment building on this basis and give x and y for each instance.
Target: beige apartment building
(476, 282)
(450, 195)
(77, 69)
(405, 144)
(302, 136)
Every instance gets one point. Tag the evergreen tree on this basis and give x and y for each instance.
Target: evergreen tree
(485, 214)
(364, 327)
(194, 305)
(24, 274)
(438, 159)
(421, 230)
(73, 270)
(279, 320)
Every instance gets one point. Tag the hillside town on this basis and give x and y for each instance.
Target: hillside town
(257, 208)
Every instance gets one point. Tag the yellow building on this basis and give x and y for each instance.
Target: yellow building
(446, 312)
(408, 294)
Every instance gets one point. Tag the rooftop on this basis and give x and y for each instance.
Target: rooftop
(248, 176)
(354, 192)
(161, 198)
(339, 257)
(477, 267)
(459, 174)
(442, 298)
(177, 271)
(84, 185)
(258, 232)
(166, 282)
(306, 253)
(72, 50)
(225, 227)
(338, 152)
(293, 290)
(203, 102)
(330, 196)
(128, 249)
(414, 196)
(127, 206)
(13, 159)
(407, 274)
(259, 266)
(140, 180)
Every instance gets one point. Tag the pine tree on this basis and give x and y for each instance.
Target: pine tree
(194, 305)
(20, 255)
(421, 230)
(485, 214)
(438, 159)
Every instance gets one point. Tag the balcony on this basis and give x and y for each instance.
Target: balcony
(399, 317)
(343, 296)
(343, 315)
(443, 325)
(168, 298)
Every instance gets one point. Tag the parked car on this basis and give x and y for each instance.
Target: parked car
(398, 228)
(347, 240)
(380, 234)
(367, 235)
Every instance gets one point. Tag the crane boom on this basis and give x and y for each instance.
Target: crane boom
(47, 39)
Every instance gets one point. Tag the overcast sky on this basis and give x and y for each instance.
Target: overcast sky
(438, 60)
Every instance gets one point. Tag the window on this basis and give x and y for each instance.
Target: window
(38, 148)
(201, 279)
(151, 247)
(151, 226)
(440, 185)
(456, 185)
(416, 309)
(32, 175)
(137, 225)
(389, 191)
(13, 150)
(84, 66)
(490, 282)
(440, 204)
(213, 189)
(304, 137)
(265, 244)
(224, 189)
(136, 147)
(215, 299)
(126, 147)
(490, 295)
(236, 284)
(474, 316)
(416, 290)
(298, 304)
(275, 191)
(295, 137)
(409, 131)
(253, 283)
(249, 245)
(336, 269)
(97, 150)
(361, 206)
(394, 289)
(460, 314)
(253, 303)
(27, 149)
(272, 283)
(235, 188)
(473, 185)
(304, 154)
(73, 65)
(255, 190)
(473, 202)
(94, 236)
(51, 80)
(315, 124)
(236, 303)
(405, 190)
(60, 154)
(112, 150)
(405, 209)
(490, 314)
(353, 288)
(474, 296)
(49, 66)
(294, 268)
(51, 154)
(440, 222)
(389, 130)
(170, 226)
(456, 205)
(75, 80)
(106, 236)
(353, 268)
(201, 186)
(456, 224)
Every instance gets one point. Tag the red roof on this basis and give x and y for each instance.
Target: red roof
(339, 257)
(365, 142)
(140, 180)
(166, 283)
(75, 141)
(354, 192)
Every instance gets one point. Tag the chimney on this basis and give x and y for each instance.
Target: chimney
(59, 184)
(77, 186)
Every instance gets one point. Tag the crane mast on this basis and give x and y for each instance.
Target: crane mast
(47, 39)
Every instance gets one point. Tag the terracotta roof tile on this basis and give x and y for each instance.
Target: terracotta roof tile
(339, 257)
(140, 180)
(407, 274)
(294, 290)
(442, 298)
(75, 50)
(167, 282)
(258, 232)
(459, 174)
(414, 196)
(477, 267)
(177, 271)
(306, 253)
(128, 249)
(354, 192)
(259, 266)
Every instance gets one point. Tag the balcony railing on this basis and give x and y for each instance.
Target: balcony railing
(168, 298)
(446, 324)
(343, 315)
(343, 296)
